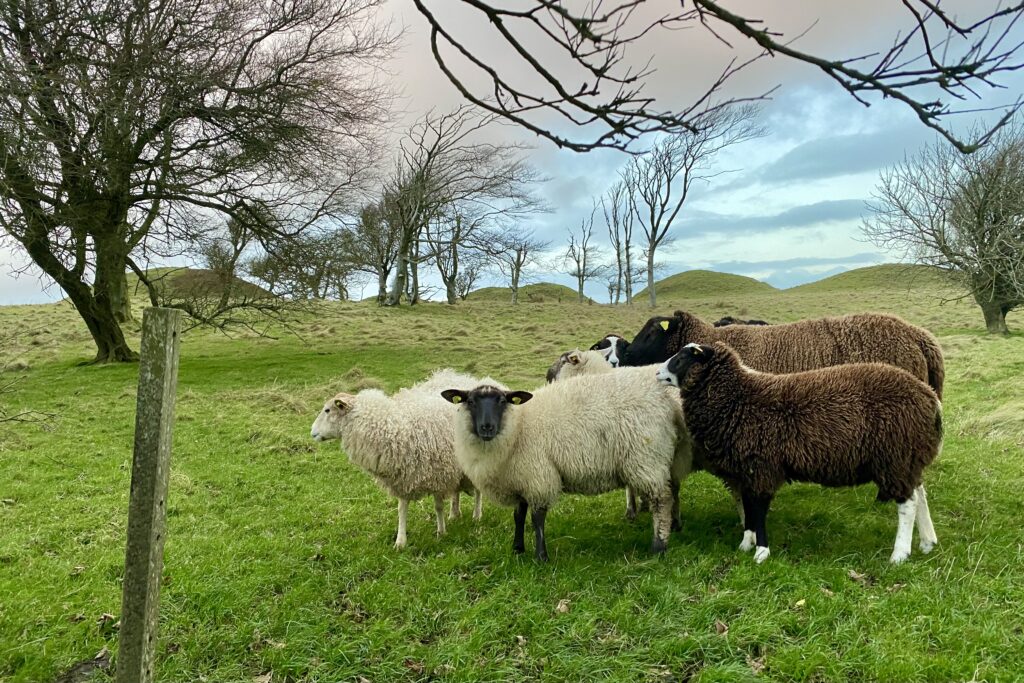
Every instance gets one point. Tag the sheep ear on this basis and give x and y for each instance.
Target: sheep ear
(573, 358)
(518, 397)
(453, 395)
(664, 325)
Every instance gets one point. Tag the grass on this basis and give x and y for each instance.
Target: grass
(539, 292)
(279, 560)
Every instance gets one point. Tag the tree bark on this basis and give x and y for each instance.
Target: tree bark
(515, 287)
(629, 276)
(382, 287)
(401, 273)
(650, 278)
(995, 317)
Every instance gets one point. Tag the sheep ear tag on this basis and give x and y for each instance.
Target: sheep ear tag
(456, 399)
(664, 325)
(515, 400)
(339, 404)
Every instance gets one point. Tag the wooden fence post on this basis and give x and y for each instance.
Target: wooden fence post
(144, 555)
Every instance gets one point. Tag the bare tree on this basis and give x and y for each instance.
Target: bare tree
(123, 126)
(445, 167)
(469, 273)
(581, 256)
(660, 180)
(585, 92)
(374, 247)
(618, 216)
(513, 252)
(963, 214)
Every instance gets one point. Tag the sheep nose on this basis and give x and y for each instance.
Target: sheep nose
(488, 432)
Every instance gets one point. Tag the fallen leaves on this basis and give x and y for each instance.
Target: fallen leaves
(721, 628)
(563, 606)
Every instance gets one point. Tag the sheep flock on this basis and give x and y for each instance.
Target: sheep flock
(838, 401)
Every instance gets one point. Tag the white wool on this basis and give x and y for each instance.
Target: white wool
(588, 363)
(589, 434)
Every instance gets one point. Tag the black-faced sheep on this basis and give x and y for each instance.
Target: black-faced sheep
(837, 426)
(586, 435)
(799, 346)
(405, 442)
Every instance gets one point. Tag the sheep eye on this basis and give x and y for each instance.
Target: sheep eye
(327, 410)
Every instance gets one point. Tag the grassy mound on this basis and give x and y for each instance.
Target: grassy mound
(887, 276)
(695, 284)
(535, 293)
(183, 282)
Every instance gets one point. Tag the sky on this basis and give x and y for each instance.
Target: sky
(786, 209)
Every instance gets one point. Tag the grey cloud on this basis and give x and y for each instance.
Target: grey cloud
(705, 222)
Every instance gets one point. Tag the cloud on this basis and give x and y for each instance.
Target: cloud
(829, 211)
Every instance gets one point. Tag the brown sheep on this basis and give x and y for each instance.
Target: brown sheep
(800, 346)
(837, 426)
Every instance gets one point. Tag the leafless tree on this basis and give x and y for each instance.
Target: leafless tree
(963, 214)
(586, 91)
(581, 255)
(618, 216)
(374, 247)
(469, 273)
(453, 237)
(513, 251)
(125, 125)
(445, 168)
(660, 180)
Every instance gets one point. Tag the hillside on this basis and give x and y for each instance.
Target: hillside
(191, 281)
(887, 276)
(695, 284)
(535, 293)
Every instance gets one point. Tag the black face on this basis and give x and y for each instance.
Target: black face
(684, 361)
(651, 344)
(486, 406)
(614, 349)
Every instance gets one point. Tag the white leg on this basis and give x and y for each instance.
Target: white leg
(904, 530)
(478, 505)
(749, 538)
(456, 506)
(439, 513)
(761, 554)
(403, 509)
(925, 531)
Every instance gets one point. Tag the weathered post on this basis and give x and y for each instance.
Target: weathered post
(144, 556)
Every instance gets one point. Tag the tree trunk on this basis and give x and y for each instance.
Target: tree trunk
(515, 287)
(629, 277)
(995, 317)
(650, 277)
(401, 273)
(382, 287)
(579, 288)
(414, 283)
(449, 291)
(111, 346)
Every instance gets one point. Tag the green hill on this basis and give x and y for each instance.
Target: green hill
(180, 282)
(695, 284)
(887, 276)
(535, 293)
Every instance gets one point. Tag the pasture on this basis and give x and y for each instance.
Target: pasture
(279, 565)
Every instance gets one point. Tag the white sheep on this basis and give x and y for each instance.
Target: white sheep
(405, 442)
(586, 435)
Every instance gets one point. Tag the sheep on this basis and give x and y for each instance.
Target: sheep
(405, 442)
(586, 435)
(837, 426)
(729, 320)
(800, 346)
(613, 347)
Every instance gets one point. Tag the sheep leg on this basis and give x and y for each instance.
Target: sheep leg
(519, 515)
(403, 510)
(904, 529)
(456, 511)
(439, 514)
(478, 505)
(538, 517)
(755, 509)
(738, 499)
(630, 503)
(925, 531)
(661, 517)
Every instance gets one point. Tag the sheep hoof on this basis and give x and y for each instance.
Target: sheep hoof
(631, 514)
(747, 544)
(399, 544)
(926, 546)
(477, 516)
(761, 554)
(454, 515)
(542, 556)
(658, 546)
(898, 556)
(518, 548)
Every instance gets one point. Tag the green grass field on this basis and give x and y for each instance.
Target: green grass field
(279, 565)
